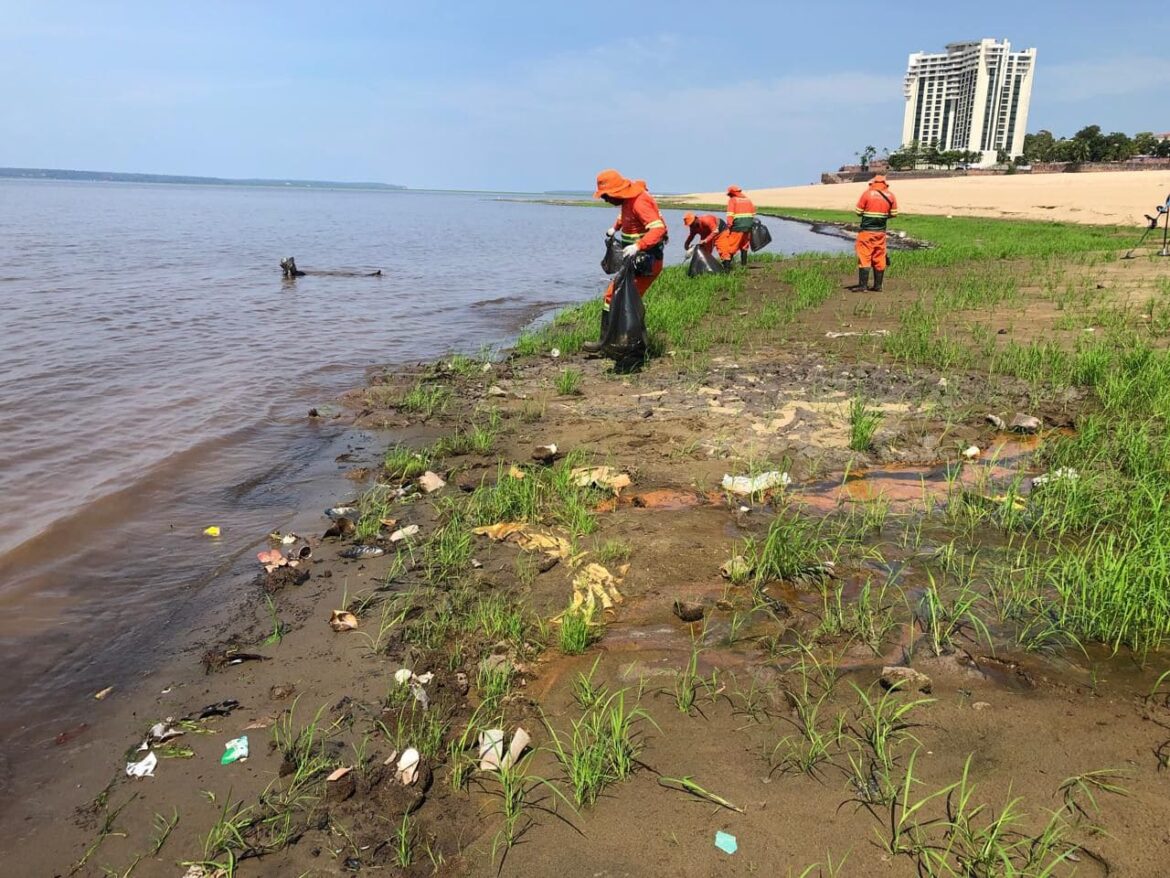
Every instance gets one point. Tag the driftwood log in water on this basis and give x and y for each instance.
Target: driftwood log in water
(289, 266)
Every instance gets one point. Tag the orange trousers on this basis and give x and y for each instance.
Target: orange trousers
(728, 243)
(871, 250)
(642, 283)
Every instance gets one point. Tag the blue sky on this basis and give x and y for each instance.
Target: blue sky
(528, 95)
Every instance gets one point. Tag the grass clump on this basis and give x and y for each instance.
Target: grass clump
(863, 423)
(601, 747)
(568, 382)
(426, 399)
(578, 629)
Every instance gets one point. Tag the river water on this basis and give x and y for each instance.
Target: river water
(155, 373)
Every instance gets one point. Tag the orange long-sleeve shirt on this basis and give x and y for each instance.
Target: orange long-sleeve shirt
(740, 207)
(705, 227)
(640, 221)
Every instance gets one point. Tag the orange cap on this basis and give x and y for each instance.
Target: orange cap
(734, 190)
(688, 218)
(613, 184)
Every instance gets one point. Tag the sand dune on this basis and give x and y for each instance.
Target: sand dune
(1097, 198)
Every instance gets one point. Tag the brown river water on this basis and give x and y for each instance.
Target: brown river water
(156, 371)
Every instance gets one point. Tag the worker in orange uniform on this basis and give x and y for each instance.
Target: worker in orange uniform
(705, 228)
(737, 237)
(643, 234)
(876, 207)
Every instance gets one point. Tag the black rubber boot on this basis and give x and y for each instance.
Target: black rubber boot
(743, 257)
(878, 274)
(862, 281)
(594, 347)
(726, 263)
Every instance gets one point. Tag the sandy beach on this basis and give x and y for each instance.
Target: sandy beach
(1119, 198)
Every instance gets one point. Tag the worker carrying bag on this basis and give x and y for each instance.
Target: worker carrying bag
(761, 237)
(625, 340)
(703, 261)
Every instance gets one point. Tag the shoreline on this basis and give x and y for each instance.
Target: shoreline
(747, 377)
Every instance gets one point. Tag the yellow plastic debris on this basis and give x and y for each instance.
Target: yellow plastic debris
(212, 531)
(602, 477)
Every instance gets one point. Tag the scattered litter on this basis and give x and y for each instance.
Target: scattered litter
(476, 564)
(220, 708)
(197, 871)
(863, 333)
(996, 421)
(235, 750)
(493, 756)
(360, 552)
(687, 784)
(271, 559)
(343, 620)
(545, 453)
(602, 477)
(143, 768)
(594, 583)
(555, 353)
(215, 659)
(341, 527)
(1063, 474)
(212, 531)
(942, 383)
(980, 705)
(737, 568)
(388, 523)
(338, 774)
(516, 473)
(389, 759)
(1016, 503)
(726, 842)
(496, 390)
(408, 767)
(101, 695)
(336, 512)
(518, 533)
(402, 676)
(756, 484)
(971, 452)
(262, 723)
(430, 482)
(486, 367)
(161, 732)
(404, 532)
(491, 749)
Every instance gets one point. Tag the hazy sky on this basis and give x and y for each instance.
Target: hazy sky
(528, 95)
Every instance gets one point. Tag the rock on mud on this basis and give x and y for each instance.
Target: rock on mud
(689, 611)
(905, 679)
(1025, 424)
(282, 577)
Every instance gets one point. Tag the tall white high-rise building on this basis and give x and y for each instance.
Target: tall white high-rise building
(972, 97)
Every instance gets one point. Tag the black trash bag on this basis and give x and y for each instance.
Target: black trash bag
(611, 263)
(761, 237)
(625, 340)
(704, 261)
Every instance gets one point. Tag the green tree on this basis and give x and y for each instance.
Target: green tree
(866, 156)
(1091, 144)
(1040, 147)
(1002, 157)
(1163, 150)
(1117, 147)
(1145, 143)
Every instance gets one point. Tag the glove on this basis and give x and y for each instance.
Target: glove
(629, 251)
(690, 251)
(610, 232)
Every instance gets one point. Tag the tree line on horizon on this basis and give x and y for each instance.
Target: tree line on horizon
(1087, 145)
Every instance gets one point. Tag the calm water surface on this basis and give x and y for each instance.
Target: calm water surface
(155, 371)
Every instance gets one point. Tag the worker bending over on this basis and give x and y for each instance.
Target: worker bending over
(737, 237)
(643, 234)
(706, 228)
(876, 207)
